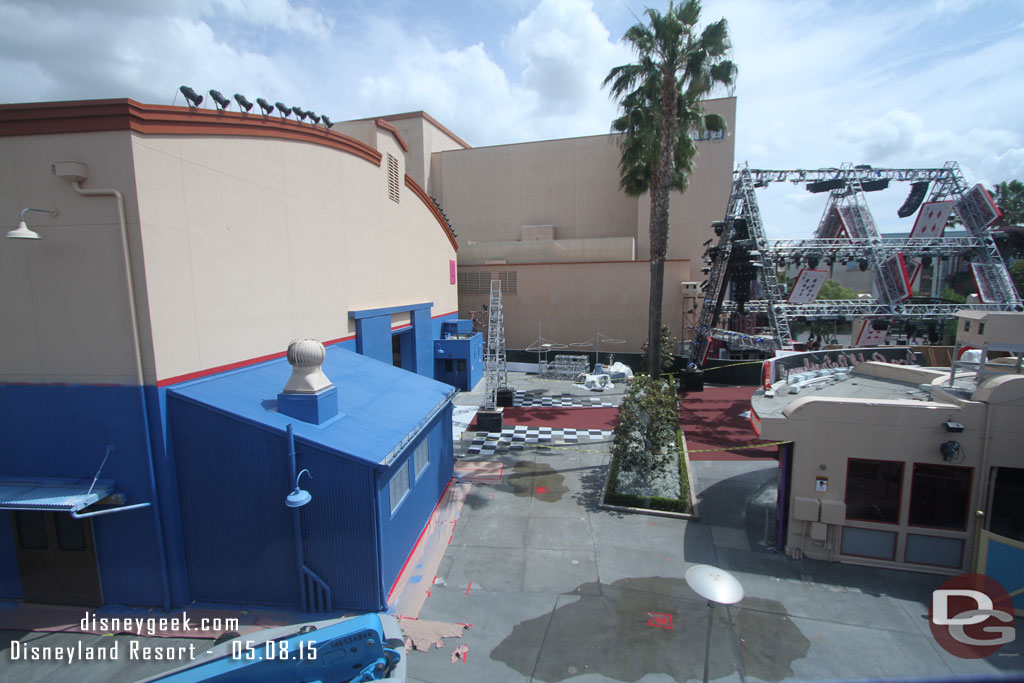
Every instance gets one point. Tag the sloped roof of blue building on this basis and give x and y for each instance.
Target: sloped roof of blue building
(381, 407)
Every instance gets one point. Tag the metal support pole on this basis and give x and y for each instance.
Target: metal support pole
(707, 643)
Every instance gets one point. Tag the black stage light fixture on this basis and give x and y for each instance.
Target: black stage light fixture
(926, 261)
(299, 113)
(826, 185)
(326, 120)
(813, 260)
(705, 270)
(878, 325)
(221, 101)
(874, 185)
(194, 98)
(313, 117)
(242, 102)
(830, 260)
(267, 107)
(719, 227)
(862, 264)
(283, 109)
(914, 199)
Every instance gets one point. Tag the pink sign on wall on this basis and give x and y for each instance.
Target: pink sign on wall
(451, 270)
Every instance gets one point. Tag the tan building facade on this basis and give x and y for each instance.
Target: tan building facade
(553, 213)
(892, 465)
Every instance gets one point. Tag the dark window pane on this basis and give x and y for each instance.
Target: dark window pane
(939, 495)
(1007, 516)
(70, 532)
(873, 490)
(31, 529)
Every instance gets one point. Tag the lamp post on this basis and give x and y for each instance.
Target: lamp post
(716, 586)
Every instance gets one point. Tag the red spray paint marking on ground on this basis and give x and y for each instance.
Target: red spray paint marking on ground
(660, 620)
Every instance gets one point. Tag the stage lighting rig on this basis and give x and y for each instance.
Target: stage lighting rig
(222, 102)
(242, 102)
(313, 117)
(267, 107)
(299, 113)
(283, 109)
(327, 122)
(194, 98)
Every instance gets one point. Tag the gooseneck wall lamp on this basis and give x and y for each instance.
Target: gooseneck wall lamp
(22, 231)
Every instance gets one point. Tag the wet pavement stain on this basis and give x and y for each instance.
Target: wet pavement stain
(540, 480)
(621, 631)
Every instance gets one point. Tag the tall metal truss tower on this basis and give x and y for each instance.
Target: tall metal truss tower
(495, 368)
(846, 232)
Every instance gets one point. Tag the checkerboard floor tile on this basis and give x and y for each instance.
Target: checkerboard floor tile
(523, 400)
(518, 437)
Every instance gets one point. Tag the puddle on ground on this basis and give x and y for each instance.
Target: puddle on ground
(653, 625)
(539, 480)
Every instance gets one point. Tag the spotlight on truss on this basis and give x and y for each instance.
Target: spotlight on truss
(222, 102)
(194, 98)
(267, 107)
(283, 109)
(242, 102)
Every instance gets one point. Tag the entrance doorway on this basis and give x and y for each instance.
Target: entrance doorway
(56, 558)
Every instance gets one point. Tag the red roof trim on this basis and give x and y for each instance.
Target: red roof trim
(381, 123)
(425, 198)
(47, 118)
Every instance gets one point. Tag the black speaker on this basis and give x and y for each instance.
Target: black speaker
(914, 199)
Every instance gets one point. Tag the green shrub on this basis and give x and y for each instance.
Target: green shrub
(648, 422)
(612, 497)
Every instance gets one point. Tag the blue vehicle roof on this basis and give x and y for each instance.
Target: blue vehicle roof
(380, 406)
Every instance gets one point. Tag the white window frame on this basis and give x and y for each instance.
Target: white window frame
(399, 478)
(421, 457)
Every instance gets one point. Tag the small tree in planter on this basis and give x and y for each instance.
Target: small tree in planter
(645, 437)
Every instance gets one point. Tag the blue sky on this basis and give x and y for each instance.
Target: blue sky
(909, 83)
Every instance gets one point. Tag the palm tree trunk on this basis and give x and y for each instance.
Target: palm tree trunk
(661, 185)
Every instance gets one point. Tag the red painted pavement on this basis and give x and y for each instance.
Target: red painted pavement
(709, 418)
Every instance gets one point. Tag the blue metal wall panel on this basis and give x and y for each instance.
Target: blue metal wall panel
(423, 339)
(339, 537)
(373, 337)
(50, 430)
(400, 531)
(233, 480)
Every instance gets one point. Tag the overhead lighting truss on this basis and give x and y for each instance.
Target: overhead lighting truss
(846, 232)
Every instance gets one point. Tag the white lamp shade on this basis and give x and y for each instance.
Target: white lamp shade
(23, 233)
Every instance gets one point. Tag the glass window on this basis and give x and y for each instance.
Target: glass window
(31, 529)
(399, 485)
(935, 551)
(422, 457)
(880, 545)
(1007, 511)
(70, 532)
(981, 328)
(967, 326)
(939, 495)
(873, 490)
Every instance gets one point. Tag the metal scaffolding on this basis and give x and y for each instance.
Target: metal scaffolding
(495, 367)
(743, 244)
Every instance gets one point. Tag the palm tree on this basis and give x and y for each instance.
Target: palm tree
(660, 97)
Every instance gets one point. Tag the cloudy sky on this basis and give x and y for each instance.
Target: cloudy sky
(910, 83)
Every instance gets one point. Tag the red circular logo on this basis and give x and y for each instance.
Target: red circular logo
(971, 616)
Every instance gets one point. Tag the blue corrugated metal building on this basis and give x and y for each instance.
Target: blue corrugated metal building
(377, 470)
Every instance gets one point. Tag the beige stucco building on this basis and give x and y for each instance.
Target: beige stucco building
(548, 218)
(894, 465)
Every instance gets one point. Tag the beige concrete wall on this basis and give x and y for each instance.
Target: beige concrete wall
(424, 139)
(491, 192)
(548, 251)
(253, 242)
(63, 299)
(570, 300)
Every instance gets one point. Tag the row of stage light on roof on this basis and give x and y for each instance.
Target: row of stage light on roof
(194, 99)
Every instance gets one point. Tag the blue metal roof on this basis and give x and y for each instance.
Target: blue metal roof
(381, 407)
(47, 493)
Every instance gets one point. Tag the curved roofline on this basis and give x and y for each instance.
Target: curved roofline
(90, 116)
(432, 207)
